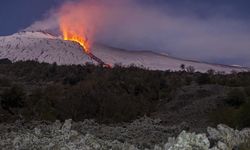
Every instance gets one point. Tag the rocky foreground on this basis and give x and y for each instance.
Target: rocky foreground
(141, 134)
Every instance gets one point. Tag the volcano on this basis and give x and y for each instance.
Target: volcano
(43, 47)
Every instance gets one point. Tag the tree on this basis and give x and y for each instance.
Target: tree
(190, 69)
(211, 72)
(182, 66)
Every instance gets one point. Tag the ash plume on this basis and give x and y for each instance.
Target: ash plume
(132, 25)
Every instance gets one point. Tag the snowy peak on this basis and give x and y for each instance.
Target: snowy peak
(41, 47)
(34, 34)
(155, 61)
(44, 47)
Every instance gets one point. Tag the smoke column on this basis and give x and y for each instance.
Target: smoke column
(133, 25)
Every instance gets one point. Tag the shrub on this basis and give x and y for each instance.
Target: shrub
(211, 72)
(12, 98)
(247, 90)
(71, 79)
(190, 69)
(117, 94)
(234, 117)
(203, 79)
(5, 82)
(225, 115)
(243, 116)
(40, 105)
(236, 97)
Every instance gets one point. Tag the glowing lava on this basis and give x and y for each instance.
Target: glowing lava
(70, 35)
(74, 29)
(73, 36)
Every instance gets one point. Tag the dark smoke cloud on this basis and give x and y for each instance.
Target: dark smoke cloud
(129, 24)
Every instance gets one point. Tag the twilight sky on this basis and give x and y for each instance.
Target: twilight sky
(210, 30)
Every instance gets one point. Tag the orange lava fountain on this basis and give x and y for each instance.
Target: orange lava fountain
(75, 36)
(74, 28)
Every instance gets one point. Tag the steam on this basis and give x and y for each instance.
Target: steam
(50, 23)
(131, 25)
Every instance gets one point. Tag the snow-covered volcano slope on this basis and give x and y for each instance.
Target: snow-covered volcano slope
(155, 61)
(41, 47)
(44, 47)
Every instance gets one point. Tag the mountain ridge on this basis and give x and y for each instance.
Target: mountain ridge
(44, 47)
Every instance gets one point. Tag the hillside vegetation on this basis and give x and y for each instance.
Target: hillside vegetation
(41, 91)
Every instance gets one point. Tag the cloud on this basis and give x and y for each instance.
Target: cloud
(131, 25)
